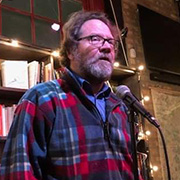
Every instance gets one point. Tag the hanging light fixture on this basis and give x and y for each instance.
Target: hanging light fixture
(55, 26)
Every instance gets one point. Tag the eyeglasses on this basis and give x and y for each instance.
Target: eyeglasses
(99, 41)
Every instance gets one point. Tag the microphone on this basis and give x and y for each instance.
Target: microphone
(131, 101)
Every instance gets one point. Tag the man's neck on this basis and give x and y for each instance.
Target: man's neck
(96, 87)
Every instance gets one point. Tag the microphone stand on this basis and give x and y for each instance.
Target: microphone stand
(132, 120)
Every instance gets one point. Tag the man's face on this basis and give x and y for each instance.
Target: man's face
(94, 62)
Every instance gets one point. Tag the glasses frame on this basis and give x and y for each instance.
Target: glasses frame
(113, 42)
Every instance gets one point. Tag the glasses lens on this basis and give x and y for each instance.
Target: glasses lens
(96, 40)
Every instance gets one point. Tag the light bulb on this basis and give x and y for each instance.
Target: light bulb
(140, 135)
(55, 26)
(116, 64)
(148, 133)
(141, 67)
(14, 43)
(55, 53)
(146, 98)
(155, 168)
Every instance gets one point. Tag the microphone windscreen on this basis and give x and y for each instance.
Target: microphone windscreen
(122, 90)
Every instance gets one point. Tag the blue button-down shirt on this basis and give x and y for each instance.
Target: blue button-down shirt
(98, 99)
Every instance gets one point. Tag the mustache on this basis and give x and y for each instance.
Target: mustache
(105, 57)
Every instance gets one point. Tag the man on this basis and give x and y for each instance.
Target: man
(73, 128)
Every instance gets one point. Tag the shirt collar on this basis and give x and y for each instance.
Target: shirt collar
(104, 92)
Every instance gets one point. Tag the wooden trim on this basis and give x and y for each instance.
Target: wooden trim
(93, 5)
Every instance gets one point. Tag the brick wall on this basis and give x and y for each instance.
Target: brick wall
(167, 8)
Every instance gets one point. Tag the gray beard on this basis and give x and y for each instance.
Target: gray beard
(98, 70)
(94, 70)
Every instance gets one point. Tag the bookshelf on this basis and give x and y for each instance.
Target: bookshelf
(25, 52)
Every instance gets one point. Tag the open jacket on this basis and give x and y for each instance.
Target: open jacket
(58, 134)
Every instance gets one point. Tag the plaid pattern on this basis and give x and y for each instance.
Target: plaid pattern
(55, 137)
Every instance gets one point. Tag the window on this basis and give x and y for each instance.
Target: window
(30, 21)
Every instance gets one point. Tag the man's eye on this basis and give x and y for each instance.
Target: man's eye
(95, 38)
(111, 41)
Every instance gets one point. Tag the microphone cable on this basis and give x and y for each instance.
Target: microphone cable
(165, 153)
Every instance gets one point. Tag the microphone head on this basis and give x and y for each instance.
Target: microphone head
(122, 90)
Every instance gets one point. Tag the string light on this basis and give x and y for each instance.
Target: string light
(140, 135)
(14, 43)
(55, 53)
(141, 67)
(116, 64)
(146, 98)
(155, 168)
(148, 133)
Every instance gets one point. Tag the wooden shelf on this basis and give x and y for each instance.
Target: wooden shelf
(11, 95)
(122, 72)
(22, 52)
(3, 138)
(2, 143)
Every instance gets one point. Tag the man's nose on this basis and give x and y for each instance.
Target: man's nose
(106, 47)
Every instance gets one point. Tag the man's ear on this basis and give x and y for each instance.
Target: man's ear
(70, 56)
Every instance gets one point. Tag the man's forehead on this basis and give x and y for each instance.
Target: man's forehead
(94, 26)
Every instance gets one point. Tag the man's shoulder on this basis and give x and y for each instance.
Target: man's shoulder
(45, 90)
(114, 99)
(46, 87)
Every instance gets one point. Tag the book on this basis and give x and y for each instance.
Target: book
(48, 72)
(41, 72)
(4, 130)
(14, 74)
(33, 73)
(1, 123)
(6, 118)
(9, 113)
